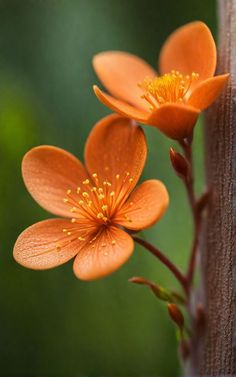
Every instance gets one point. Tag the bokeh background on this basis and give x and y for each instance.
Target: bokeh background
(51, 324)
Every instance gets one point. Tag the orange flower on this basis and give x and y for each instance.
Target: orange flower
(96, 201)
(173, 101)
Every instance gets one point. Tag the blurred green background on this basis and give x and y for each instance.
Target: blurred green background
(51, 324)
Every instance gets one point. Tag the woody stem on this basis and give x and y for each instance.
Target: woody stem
(172, 268)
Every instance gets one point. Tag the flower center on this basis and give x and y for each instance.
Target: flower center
(98, 200)
(93, 206)
(171, 87)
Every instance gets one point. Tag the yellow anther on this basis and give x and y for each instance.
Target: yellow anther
(94, 175)
(127, 173)
(73, 221)
(112, 193)
(86, 182)
(100, 190)
(101, 196)
(85, 194)
(78, 190)
(68, 233)
(81, 238)
(68, 192)
(104, 207)
(73, 209)
(100, 215)
(90, 203)
(65, 200)
(113, 242)
(131, 203)
(130, 180)
(117, 176)
(128, 218)
(93, 189)
(106, 183)
(64, 230)
(81, 202)
(58, 247)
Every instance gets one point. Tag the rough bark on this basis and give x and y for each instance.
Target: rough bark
(213, 351)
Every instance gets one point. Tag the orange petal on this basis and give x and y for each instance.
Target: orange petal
(120, 107)
(111, 250)
(207, 91)
(145, 207)
(44, 245)
(120, 73)
(116, 145)
(191, 48)
(48, 172)
(174, 120)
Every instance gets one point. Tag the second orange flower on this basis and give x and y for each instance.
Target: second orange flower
(171, 102)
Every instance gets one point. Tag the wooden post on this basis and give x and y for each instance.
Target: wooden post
(214, 348)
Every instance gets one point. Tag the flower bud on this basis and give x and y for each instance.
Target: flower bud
(160, 292)
(179, 163)
(176, 315)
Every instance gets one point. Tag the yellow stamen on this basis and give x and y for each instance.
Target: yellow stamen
(86, 182)
(171, 87)
(85, 194)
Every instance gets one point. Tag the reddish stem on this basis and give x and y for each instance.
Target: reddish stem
(174, 270)
(189, 185)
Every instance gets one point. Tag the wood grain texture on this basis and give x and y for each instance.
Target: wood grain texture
(214, 350)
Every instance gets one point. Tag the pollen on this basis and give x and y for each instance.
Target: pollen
(85, 194)
(86, 182)
(169, 88)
